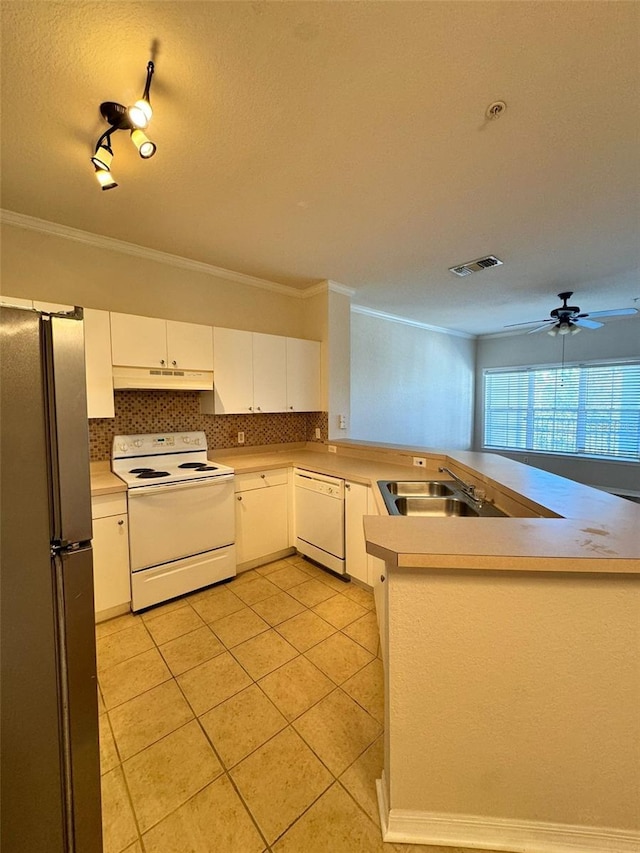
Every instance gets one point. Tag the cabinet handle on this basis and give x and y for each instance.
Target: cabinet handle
(263, 476)
(239, 497)
(121, 522)
(162, 361)
(382, 578)
(258, 409)
(347, 486)
(291, 407)
(250, 408)
(174, 363)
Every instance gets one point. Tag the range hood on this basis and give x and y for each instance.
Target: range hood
(153, 378)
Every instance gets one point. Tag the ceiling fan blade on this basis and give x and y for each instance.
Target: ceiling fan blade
(528, 323)
(587, 324)
(537, 329)
(614, 312)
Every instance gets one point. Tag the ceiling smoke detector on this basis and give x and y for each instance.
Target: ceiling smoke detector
(475, 266)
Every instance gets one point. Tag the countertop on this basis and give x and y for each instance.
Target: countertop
(103, 482)
(565, 526)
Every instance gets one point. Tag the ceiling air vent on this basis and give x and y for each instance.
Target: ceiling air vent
(476, 266)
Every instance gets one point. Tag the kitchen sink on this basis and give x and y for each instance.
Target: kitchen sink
(428, 488)
(434, 499)
(434, 507)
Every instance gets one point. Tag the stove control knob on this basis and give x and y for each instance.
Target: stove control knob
(185, 438)
(137, 443)
(124, 447)
(196, 441)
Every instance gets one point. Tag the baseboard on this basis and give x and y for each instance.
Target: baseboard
(266, 558)
(487, 833)
(112, 612)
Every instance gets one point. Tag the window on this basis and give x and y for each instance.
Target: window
(581, 410)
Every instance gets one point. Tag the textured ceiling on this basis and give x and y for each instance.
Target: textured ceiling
(300, 141)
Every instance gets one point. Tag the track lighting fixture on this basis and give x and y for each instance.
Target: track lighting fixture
(134, 119)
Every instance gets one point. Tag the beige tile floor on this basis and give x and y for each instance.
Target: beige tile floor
(245, 718)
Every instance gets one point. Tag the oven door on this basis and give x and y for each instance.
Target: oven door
(170, 522)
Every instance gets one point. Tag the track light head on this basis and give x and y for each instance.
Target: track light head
(103, 156)
(105, 179)
(146, 148)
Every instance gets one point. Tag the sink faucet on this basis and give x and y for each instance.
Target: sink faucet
(473, 492)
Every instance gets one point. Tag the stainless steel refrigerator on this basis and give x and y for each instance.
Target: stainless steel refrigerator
(50, 764)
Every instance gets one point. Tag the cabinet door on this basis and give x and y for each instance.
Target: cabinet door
(111, 577)
(232, 371)
(189, 345)
(355, 508)
(303, 376)
(138, 341)
(97, 357)
(269, 373)
(378, 580)
(261, 522)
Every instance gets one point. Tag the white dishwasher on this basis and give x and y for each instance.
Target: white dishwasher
(319, 518)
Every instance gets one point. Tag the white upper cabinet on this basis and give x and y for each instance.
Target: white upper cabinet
(189, 345)
(303, 376)
(151, 342)
(269, 373)
(232, 373)
(138, 341)
(249, 373)
(97, 355)
(258, 373)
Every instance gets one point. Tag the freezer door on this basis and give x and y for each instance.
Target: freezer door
(63, 339)
(73, 574)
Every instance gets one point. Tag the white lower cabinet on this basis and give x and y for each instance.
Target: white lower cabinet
(111, 575)
(355, 508)
(262, 515)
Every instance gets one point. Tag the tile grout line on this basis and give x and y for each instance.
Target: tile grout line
(289, 723)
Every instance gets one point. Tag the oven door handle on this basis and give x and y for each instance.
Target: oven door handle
(146, 491)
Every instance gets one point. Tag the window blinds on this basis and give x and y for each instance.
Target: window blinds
(582, 410)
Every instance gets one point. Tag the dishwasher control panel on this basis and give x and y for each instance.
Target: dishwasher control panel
(321, 484)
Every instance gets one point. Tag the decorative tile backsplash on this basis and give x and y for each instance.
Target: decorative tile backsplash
(139, 412)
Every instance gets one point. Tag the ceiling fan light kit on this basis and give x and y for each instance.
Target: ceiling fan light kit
(134, 119)
(567, 319)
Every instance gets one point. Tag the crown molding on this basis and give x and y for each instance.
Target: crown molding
(393, 318)
(32, 223)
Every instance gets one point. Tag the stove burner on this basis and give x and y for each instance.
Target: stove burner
(149, 474)
(207, 468)
(140, 470)
(191, 465)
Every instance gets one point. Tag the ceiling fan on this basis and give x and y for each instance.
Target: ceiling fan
(567, 319)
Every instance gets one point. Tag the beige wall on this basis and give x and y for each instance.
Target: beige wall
(410, 385)
(45, 267)
(516, 696)
(338, 363)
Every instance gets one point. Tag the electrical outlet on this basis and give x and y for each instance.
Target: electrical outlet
(318, 433)
(525, 459)
(419, 461)
(240, 438)
(342, 421)
(332, 448)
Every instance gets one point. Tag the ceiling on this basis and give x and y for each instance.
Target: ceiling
(303, 141)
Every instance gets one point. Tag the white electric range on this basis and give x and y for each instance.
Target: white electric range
(181, 514)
